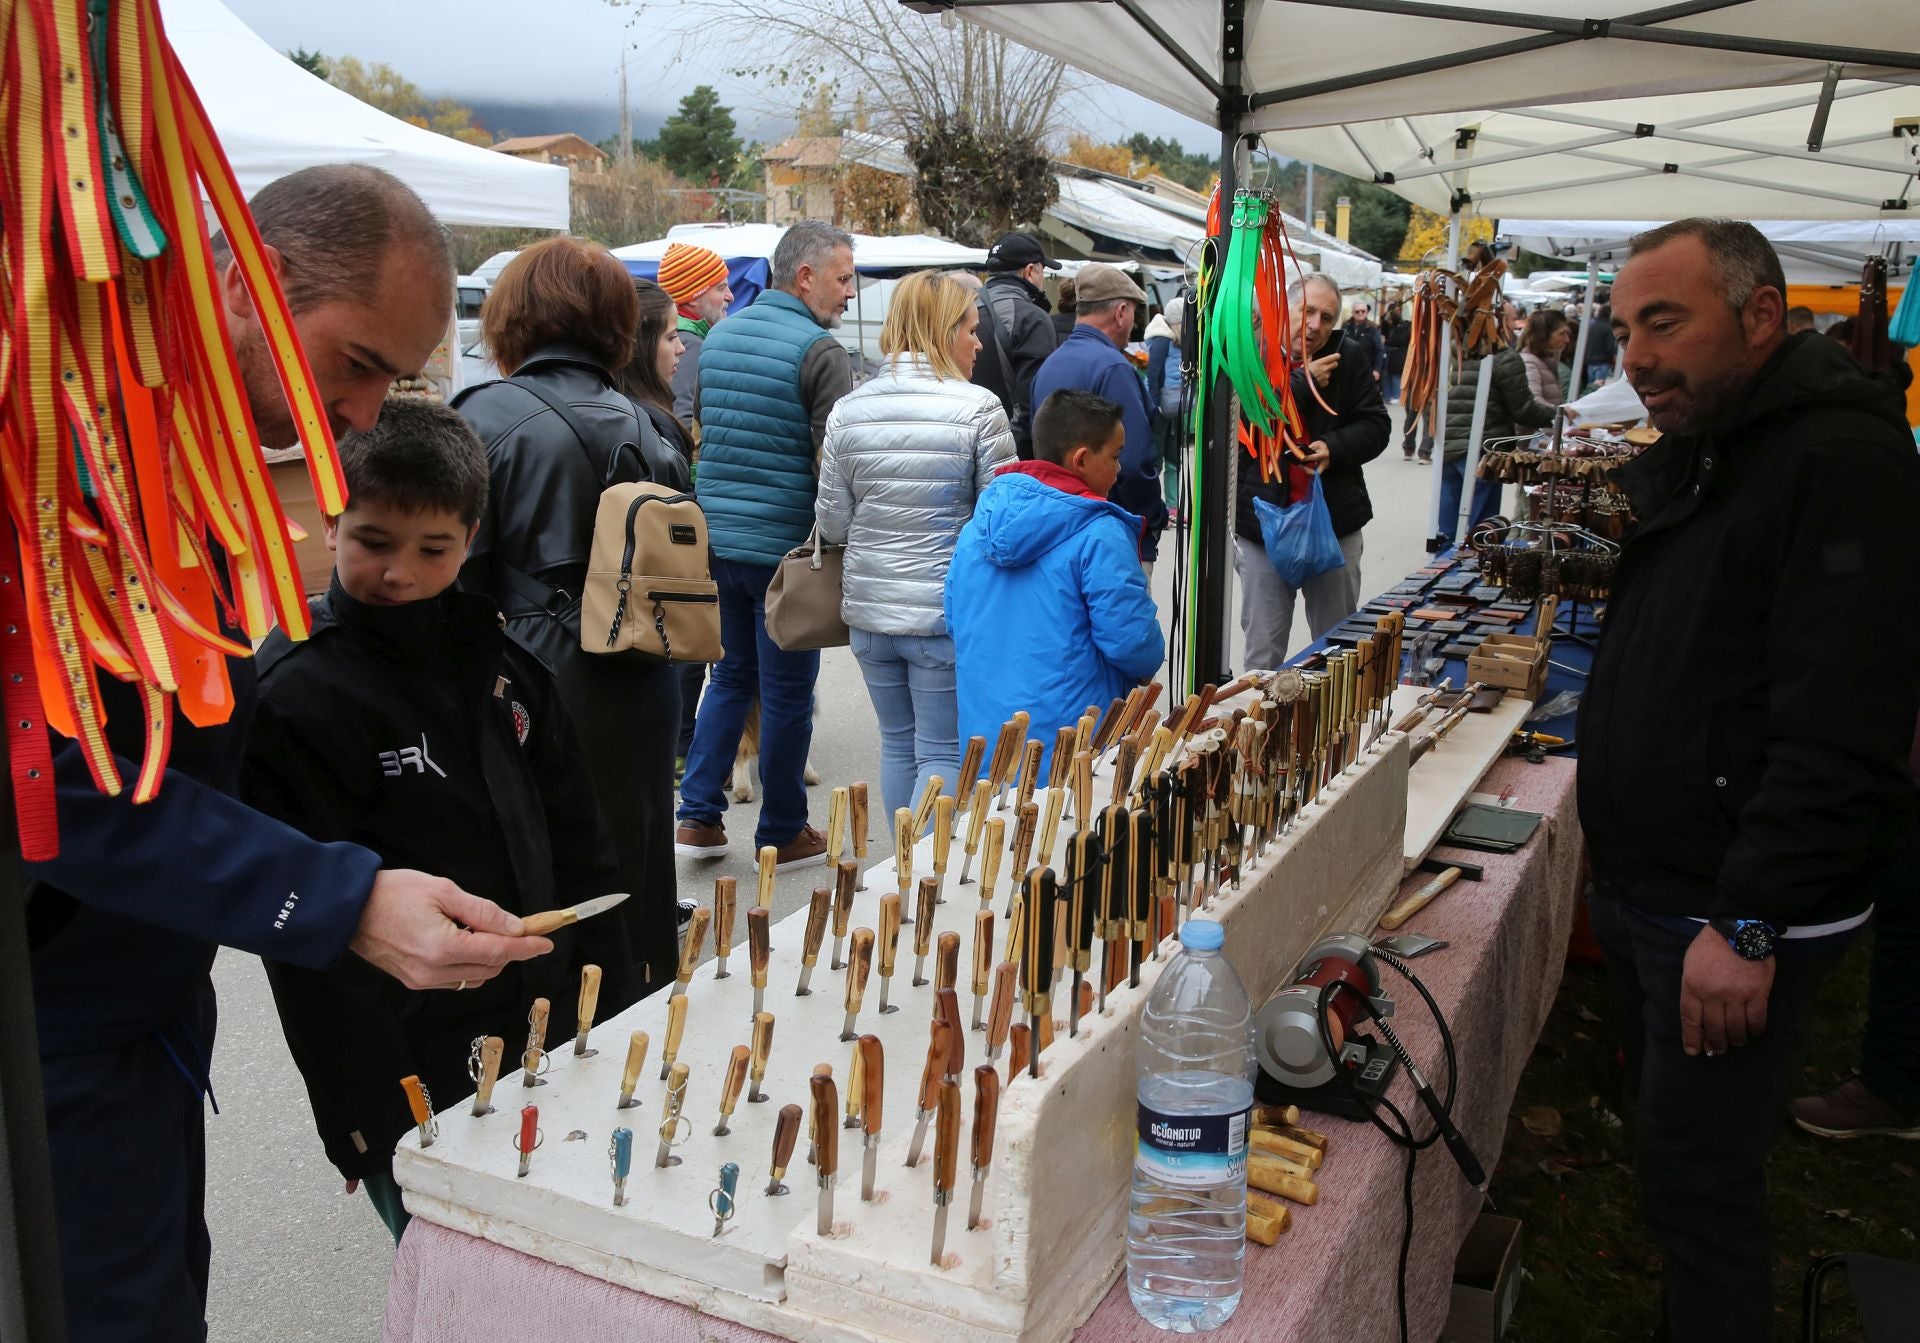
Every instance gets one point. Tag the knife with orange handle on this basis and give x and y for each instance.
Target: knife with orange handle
(946, 961)
(786, 1131)
(859, 964)
(759, 952)
(930, 1075)
(818, 909)
(924, 900)
(986, 1114)
(422, 1106)
(946, 1159)
(1000, 1013)
(826, 1148)
(873, 1090)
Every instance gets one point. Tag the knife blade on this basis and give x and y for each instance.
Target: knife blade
(946, 1157)
(762, 1047)
(873, 1090)
(483, 1066)
(786, 1129)
(930, 1074)
(859, 963)
(583, 1017)
(725, 897)
(549, 920)
(986, 1113)
(826, 1149)
(818, 908)
(630, 1076)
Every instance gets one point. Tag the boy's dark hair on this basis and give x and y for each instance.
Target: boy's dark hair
(1072, 419)
(419, 456)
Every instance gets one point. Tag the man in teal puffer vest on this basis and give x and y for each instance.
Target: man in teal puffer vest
(768, 377)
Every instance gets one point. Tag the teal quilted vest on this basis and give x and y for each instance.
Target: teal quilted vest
(757, 480)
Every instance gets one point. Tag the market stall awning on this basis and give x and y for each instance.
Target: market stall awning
(1813, 251)
(748, 251)
(273, 118)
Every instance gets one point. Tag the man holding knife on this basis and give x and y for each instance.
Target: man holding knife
(124, 924)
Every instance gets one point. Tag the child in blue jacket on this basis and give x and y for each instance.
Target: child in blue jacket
(1046, 599)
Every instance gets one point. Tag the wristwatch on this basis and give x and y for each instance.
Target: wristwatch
(1751, 939)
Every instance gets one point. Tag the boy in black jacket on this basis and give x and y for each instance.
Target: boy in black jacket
(411, 724)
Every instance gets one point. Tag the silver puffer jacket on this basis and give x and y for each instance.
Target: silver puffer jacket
(905, 456)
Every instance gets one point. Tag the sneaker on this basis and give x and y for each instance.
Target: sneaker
(1852, 1111)
(805, 849)
(698, 839)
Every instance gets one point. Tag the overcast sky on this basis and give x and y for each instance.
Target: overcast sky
(566, 51)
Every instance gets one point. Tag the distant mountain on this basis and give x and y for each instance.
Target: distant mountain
(594, 120)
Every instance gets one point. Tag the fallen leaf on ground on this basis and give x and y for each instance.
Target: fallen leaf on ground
(1588, 1014)
(1542, 1120)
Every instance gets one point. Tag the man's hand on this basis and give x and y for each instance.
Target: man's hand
(1723, 996)
(1317, 456)
(429, 934)
(1321, 369)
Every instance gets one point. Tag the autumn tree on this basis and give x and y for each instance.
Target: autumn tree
(871, 200)
(1116, 159)
(974, 184)
(1172, 161)
(1426, 238)
(632, 202)
(380, 85)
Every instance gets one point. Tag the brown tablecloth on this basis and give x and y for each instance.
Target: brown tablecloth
(1330, 1278)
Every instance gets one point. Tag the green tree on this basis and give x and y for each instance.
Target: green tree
(312, 62)
(1195, 171)
(698, 142)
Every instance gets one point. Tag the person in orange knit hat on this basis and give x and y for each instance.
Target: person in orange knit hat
(696, 280)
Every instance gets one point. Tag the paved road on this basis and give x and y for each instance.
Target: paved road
(295, 1259)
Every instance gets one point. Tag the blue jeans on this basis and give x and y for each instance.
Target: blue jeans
(1486, 496)
(1390, 386)
(753, 665)
(910, 678)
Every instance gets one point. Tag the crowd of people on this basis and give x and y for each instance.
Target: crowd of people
(444, 756)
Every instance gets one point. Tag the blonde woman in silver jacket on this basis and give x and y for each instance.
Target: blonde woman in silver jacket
(906, 454)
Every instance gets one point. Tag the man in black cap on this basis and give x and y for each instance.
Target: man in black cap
(1016, 336)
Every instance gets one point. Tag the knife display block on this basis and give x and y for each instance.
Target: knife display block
(1054, 1221)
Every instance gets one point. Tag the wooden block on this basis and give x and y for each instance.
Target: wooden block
(1273, 1176)
(1272, 1140)
(1267, 1219)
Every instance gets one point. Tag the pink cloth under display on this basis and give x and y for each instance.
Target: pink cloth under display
(1329, 1278)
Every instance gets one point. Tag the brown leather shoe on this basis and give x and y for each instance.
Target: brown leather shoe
(805, 849)
(1852, 1111)
(697, 839)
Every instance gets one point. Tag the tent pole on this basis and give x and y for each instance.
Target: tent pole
(1476, 434)
(1438, 421)
(1580, 340)
(1209, 589)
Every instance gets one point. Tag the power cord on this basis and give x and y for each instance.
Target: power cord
(1401, 1134)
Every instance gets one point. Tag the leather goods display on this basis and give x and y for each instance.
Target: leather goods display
(803, 601)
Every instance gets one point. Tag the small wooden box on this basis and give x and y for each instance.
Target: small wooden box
(1486, 1279)
(1517, 663)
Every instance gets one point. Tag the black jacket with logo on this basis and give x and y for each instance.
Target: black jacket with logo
(1745, 731)
(1023, 334)
(426, 734)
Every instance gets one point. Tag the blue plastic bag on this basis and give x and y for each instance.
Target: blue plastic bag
(1299, 537)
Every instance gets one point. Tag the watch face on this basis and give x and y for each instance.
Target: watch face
(1754, 940)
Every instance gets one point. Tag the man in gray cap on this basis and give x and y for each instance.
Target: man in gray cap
(1016, 335)
(1091, 360)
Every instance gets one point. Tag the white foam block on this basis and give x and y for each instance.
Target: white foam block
(1053, 1234)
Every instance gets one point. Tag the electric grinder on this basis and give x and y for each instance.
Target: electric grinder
(1295, 1066)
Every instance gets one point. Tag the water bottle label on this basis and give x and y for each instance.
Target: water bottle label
(1192, 1150)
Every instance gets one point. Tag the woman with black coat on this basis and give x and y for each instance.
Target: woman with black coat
(558, 321)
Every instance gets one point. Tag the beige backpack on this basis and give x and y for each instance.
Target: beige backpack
(648, 587)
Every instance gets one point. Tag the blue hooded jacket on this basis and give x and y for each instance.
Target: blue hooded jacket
(1048, 607)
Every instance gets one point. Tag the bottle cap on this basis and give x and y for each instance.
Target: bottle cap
(1202, 935)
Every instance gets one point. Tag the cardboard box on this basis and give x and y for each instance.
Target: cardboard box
(1486, 1281)
(288, 470)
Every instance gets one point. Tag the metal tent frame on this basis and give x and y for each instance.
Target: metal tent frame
(1237, 106)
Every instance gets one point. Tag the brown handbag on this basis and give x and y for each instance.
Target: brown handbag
(803, 601)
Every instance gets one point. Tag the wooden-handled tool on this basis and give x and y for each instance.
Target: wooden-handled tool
(1019, 1050)
(483, 1066)
(836, 827)
(946, 1007)
(872, 1091)
(725, 896)
(736, 1078)
(1109, 925)
(857, 821)
(923, 927)
(1029, 772)
(690, 949)
(859, 964)
(786, 1131)
(845, 878)
(533, 1059)
(620, 1158)
(1260, 1138)
(942, 844)
(994, 845)
(856, 1091)
(630, 1075)
(986, 1113)
(1080, 780)
(946, 1160)
(672, 1117)
(1000, 1014)
(552, 920)
(1083, 900)
(903, 850)
(1110, 722)
(589, 1003)
(762, 1048)
(938, 1048)
(676, 1027)
(923, 809)
(1042, 895)
(1023, 835)
(1272, 1175)
(1142, 866)
(527, 1140)
(978, 803)
(1016, 744)
(946, 961)
(888, 947)
(982, 964)
(813, 1120)
(826, 1148)
(1267, 1219)
(769, 863)
(759, 952)
(422, 1106)
(1419, 900)
(818, 908)
(964, 782)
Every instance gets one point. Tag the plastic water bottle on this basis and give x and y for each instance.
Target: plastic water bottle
(1186, 1225)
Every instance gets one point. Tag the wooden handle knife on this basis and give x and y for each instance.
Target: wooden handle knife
(836, 827)
(769, 860)
(676, 1027)
(946, 1160)
(1000, 1014)
(762, 1048)
(872, 1095)
(588, 1004)
(670, 1113)
(786, 1130)
(535, 1052)
(846, 878)
(859, 964)
(826, 1147)
(986, 1114)
(730, 1088)
(903, 849)
(924, 897)
(946, 1007)
(819, 906)
(725, 896)
(1029, 771)
(889, 944)
(422, 1109)
(931, 1072)
(946, 960)
(1019, 1049)
(943, 810)
(923, 809)
(982, 964)
(630, 1075)
(690, 949)
(993, 846)
(964, 782)
(1023, 836)
(486, 1071)
(1419, 900)
(759, 952)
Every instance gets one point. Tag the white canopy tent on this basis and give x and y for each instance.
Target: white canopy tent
(870, 253)
(1822, 251)
(1308, 76)
(274, 118)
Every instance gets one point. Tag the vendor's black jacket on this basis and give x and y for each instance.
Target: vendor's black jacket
(1354, 437)
(426, 734)
(1019, 311)
(1745, 731)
